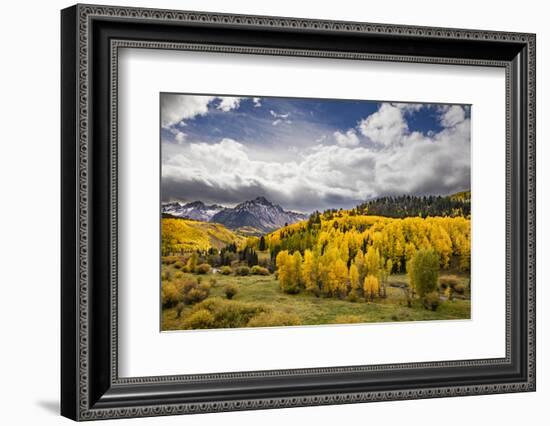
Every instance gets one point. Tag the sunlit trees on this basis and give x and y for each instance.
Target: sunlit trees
(423, 270)
(289, 270)
(310, 271)
(371, 287)
(191, 264)
(385, 271)
(296, 275)
(441, 243)
(284, 270)
(340, 243)
(372, 262)
(339, 279)
(359, 262)
(354, 278)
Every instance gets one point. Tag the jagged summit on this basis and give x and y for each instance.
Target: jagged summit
(259, 213)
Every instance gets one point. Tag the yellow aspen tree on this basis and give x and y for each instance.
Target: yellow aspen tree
(192, 262)
(309, 277)
(442, 244)
(354, 277)
(359, 262)
(326, 273)
(372, 261)
(297, 270)
(284, 270)
(344, 249)
(370, 287)
(410, 250)
(340, 278)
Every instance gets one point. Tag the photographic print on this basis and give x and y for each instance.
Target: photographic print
(280, 211)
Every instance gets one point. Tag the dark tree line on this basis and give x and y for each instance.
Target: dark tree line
(411, 206)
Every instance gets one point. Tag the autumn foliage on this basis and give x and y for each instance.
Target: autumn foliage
(344, 253)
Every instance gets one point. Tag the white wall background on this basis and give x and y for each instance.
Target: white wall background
(29, 214)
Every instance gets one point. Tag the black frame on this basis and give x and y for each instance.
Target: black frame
(91, 37)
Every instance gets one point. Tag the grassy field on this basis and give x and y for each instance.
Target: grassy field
(313, 310)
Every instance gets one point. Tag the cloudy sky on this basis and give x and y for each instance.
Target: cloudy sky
(308, 154)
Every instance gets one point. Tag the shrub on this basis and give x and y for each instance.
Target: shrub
(213, 282)
(179, 309)
(200, 319)
(459, 288)
(195, 295)
(273, 319)
(352, 297)
(259, 270)
(401, 315)
(178, 265)
(423, 270)
(347, 319)
(203, 268)
(178, 275)
(170, 294)
(226, 270)
(213, 260)
(169, 260)
(242, 271)
(230, 290)
(191, 291)
(431, 300)
(448, 282)
(225, 313)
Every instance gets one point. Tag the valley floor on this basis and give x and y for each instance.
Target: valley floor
(313, 310)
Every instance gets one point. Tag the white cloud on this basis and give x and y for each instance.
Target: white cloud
(257, 102)
(180, 137)
(322, 176)
(229, 103)
(452, 115)
(280, 118)
(386, 126)
(274, 114)
(408, 107)
(175, 108)
(347, 139)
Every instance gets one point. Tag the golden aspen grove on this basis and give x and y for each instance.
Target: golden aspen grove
(344, 250)
(339, 266)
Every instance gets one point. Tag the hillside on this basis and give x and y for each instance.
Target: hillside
(396, 239)
(454, 205)
(461, 196)
(181, 235)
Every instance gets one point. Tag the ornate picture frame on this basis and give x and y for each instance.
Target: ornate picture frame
(91, 37)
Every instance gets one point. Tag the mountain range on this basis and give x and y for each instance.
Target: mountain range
(196, 210)
(258, 215)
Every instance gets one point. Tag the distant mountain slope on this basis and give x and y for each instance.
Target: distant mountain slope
(410, 206)
(196, 210)
(259, 214)
(181, 235)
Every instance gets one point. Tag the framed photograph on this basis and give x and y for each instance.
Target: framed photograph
(263, 212)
